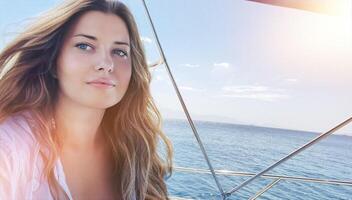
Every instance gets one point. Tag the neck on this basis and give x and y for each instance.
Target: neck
(77, 126)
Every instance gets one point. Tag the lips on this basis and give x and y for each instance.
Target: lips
(103, 81)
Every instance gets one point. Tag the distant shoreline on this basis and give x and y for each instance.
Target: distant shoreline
(251, 125)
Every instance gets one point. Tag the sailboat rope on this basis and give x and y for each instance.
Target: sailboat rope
(182, 102)
(225, 195)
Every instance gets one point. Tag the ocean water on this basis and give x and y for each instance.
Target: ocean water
(251, 149)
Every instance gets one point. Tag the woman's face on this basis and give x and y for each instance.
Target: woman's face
(94, 64)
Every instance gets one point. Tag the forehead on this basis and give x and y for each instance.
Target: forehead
(101, 25)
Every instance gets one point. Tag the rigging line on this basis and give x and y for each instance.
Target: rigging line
(315, 140)
(266, 188)
(266, 176)
(183, 104)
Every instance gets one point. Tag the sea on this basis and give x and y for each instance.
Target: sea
(250, 149)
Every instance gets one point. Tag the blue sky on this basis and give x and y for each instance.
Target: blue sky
(240, 61)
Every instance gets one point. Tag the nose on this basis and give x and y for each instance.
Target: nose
(105, 63)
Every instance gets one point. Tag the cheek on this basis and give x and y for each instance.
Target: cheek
(124, 73)
(71, 65)
(71, 71)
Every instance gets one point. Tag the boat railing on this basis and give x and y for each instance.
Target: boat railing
(276, 178)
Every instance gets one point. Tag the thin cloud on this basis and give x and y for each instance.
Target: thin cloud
(190, 65)
(224, 65)
(291, 80)
(188, 88)
(262, 93)
(245, 88)
(158, 73)
(146, 40)
(159, 78)
(262, 97)
(222, 68)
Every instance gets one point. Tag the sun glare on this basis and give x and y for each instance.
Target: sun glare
(313, 45)
(338, 7)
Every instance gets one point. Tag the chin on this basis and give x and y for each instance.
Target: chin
(103, 104)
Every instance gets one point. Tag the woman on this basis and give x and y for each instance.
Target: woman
(77, 120)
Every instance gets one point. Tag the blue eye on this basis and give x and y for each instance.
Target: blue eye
(120, 53)
(82, 46)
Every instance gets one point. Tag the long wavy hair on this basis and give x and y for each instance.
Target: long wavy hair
(132, 127)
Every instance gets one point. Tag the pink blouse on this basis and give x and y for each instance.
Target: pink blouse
(21, 164)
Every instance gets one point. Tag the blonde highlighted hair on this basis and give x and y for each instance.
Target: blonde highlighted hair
(132, 127)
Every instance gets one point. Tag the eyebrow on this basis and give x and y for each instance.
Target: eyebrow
(94, 38)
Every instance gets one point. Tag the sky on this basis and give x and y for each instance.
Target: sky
(239, 61)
